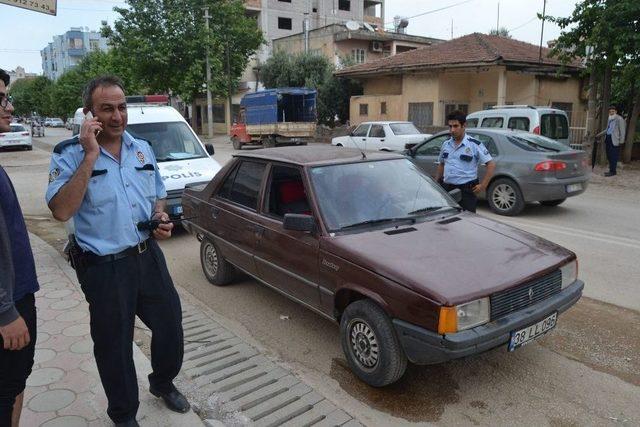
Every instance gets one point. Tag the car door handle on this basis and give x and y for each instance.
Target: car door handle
(382, 140)
(215, 212)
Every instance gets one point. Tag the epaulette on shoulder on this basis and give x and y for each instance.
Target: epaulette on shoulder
(475, 141)
(64, 144)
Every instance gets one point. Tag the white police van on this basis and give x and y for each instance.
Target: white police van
(182, 158)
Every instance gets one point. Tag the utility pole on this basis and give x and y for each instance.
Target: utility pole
(452, 29)
(228, 61)
(209, 100)
(498, 21)
(305, 24)
(544, 8)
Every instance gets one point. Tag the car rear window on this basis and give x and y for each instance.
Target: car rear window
(17, 128)
(554, 126)
(404, 129)
(243, 184)
(519, 123)
(492, 122)
(532, 142)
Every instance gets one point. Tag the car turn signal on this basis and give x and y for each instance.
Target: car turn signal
(448, 320)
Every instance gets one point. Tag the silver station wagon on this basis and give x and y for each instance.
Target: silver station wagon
(529, 168)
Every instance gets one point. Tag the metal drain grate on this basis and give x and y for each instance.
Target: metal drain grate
(221, 364)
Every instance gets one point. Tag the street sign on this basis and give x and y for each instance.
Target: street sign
(48, 7)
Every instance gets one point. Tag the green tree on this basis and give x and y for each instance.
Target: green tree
(32, 95)
(66, 94)
(313, 71)
(169, 42)
(607, 32)
(502, 32)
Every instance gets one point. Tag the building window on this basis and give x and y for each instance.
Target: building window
(421, 114)
(358, 56)
(285, 1)
(364, 109)
(383, 108)
(284, 23)
(315, 10)
(449, 108)
(94, 44)
(344, 5)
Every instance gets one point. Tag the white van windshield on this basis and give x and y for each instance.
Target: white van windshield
(170, 140)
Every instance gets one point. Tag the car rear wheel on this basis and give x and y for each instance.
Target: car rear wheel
(269, 142)
(237, 144)
(552, 202)
(505, 198)
(215, 268)
(370, 344)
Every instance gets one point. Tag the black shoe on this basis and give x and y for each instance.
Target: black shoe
(129, 423)
(174, 400)
(610, 174)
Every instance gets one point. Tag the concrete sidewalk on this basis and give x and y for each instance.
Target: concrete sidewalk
(64, 389)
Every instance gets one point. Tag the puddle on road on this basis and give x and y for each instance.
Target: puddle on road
(420, 395)
(602, 336)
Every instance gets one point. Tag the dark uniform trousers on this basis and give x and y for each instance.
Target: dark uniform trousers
(613, 153)
(469, 199)
(117, 291)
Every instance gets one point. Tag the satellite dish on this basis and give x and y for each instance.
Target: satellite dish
(352, 25)
(368, 27)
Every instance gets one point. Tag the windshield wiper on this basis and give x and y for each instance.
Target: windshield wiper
(378, 221)
(430, 209)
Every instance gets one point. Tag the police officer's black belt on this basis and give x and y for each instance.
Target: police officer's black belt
(465, 186)
(89, 258)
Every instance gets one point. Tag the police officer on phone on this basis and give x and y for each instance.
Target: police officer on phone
(459, 158)
(108, 182)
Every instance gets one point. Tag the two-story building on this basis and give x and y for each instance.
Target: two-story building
(67, 49)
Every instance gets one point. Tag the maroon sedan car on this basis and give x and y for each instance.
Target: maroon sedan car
(371, 242)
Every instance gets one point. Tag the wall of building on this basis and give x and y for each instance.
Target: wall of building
(394, 105)
(559, 90)
(68, 49)
(383, 85)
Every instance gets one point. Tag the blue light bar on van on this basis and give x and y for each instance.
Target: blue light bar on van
(148, 99)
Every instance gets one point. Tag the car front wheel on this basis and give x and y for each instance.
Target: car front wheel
(237, 145)
(504, 197)
(215, 267)
(370, 344)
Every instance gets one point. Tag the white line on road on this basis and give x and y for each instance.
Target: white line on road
(576, 232)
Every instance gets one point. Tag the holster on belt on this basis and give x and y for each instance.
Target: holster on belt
(74, 252)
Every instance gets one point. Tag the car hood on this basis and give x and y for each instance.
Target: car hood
(452, 262)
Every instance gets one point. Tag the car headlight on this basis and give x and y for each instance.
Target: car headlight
(569, 273)
(464, 316)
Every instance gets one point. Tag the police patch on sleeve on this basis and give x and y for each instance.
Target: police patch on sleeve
(55, 173)
(486, 151)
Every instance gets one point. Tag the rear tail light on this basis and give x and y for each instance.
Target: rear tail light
(550, 165)
(536, 130)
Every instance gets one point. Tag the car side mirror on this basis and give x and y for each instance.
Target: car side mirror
(209, 148)
(298, 222)
(456, 194)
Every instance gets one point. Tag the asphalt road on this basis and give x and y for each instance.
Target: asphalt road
(585, 372)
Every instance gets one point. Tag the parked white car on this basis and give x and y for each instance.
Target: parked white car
(56, 122)
(18, 137)
(383, 136)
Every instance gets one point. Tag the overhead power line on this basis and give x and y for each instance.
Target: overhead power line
(434, 10)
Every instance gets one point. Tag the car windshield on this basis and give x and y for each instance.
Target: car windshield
(404, 129)
(531, 142)
(362, 194)
(170, 141)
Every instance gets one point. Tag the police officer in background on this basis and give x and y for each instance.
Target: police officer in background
(108, 182)
(459, 158)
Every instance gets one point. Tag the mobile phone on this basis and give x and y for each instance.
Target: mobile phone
(88, 116)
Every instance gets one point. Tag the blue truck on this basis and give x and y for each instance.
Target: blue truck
(276, 116)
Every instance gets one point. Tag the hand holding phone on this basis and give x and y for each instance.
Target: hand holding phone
(89, 131)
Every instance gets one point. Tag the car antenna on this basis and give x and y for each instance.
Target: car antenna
(364, 156)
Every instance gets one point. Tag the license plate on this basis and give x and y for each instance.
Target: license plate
(177, 210)
(528, 334)
(572, 188)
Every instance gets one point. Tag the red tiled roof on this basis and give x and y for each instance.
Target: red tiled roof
(472, 49)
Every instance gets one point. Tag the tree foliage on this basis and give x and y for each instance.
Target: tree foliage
(166, 42)
(32, 96)
(313, 71)
(502, 32)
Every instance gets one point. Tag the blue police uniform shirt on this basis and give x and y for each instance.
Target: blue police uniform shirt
(118, 196)
(461, 162)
